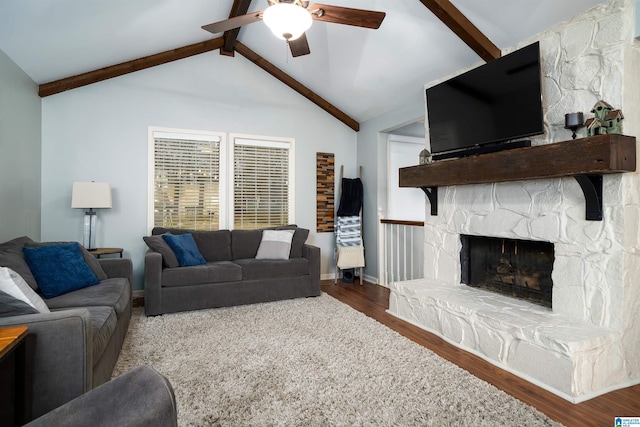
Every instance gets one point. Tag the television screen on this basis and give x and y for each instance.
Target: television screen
(496, 102)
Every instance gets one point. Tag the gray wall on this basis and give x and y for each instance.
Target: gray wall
(99, 132)
(20, 118)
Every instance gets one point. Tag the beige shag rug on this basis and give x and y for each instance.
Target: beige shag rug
(309, 362)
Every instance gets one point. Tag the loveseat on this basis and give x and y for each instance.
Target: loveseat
(75, 338)
(235, 270)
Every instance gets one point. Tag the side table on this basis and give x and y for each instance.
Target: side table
(97, 252)
(15, 376)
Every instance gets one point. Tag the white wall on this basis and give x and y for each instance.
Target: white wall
(20, 116)
(99, 132)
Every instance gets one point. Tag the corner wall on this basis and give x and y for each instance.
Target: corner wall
(20, 124)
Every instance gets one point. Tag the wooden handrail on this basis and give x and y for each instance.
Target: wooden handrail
(402, 222)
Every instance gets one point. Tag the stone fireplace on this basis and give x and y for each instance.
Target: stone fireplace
(588, 341)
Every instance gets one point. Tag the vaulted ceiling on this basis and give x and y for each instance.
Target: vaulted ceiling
(362, 73)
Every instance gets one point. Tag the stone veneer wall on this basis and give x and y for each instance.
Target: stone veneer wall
(597, 268)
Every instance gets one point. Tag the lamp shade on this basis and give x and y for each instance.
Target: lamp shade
(96, 195)
(287, 21)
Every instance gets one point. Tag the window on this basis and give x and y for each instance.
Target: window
(190, 174)
(262, 182)
(186, 180)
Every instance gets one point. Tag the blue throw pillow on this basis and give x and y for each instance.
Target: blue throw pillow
(185, 248)
(59, 269)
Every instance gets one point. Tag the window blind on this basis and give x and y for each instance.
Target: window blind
(261, 184)
(186, 181)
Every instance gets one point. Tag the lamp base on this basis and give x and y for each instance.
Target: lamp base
(89, 235)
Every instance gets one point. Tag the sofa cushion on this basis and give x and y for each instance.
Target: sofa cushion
(11, 306)
(59, 269)
(11, 256)
(185, 248)
(244, 243)
(14, 285)
(212, 272)
(88, 257)
(272, 269)
(214, 245)
(114, 292)
(275, 244)
(157, 243)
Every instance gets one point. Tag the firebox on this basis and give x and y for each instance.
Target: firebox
(516, 268)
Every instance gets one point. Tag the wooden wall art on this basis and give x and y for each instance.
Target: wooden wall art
(325, 192)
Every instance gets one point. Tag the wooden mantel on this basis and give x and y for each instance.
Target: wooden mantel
(585, 159)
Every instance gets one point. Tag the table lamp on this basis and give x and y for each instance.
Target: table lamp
(90, 195)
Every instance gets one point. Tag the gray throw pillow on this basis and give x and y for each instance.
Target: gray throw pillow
(157, 243)
(275, 244)
(10, 306)
(14, 285)
(11, 256)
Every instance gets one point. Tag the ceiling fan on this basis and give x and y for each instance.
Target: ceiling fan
(289, 19)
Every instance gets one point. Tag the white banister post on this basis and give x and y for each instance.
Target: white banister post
(382, 250)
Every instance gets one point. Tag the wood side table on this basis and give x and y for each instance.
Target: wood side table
(97, 252)
(15, 377)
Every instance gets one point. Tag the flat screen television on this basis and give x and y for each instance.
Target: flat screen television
(494, 103)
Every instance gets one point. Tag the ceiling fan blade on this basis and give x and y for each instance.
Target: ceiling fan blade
(231, 23)
(299, 46)
(347, 16)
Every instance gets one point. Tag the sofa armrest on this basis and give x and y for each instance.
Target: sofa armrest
(117, 267)
(152, 283)
(141, 397)
(59, 344)
(312, 253)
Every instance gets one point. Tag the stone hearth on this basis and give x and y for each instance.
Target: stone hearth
(589, 343)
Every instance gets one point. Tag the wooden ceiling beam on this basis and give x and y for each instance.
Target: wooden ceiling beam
(297, 86)
(239, 7)
(463, 28)
(123, 68)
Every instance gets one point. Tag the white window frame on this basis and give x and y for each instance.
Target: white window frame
(268, 141)
(201, 135)
(227, 182)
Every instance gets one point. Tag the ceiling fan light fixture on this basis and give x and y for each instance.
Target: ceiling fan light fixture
(287, 21)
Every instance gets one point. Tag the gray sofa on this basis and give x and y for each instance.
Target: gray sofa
(141, 397)
(74, 347)
(231, 275)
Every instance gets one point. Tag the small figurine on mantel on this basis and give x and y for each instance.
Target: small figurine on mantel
(425, 157)
(606, 120)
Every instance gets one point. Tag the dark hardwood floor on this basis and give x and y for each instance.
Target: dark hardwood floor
(373, 300)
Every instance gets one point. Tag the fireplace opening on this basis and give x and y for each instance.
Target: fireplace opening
(516, 268)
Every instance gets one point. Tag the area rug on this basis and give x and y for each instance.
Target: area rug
(309, 362)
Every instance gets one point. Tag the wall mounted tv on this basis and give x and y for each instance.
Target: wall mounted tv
(487, 108)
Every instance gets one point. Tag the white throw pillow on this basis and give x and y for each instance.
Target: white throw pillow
(13, 284)
(275, 244)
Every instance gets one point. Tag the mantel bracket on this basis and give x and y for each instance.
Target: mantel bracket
(592, 188)
(432, 194)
